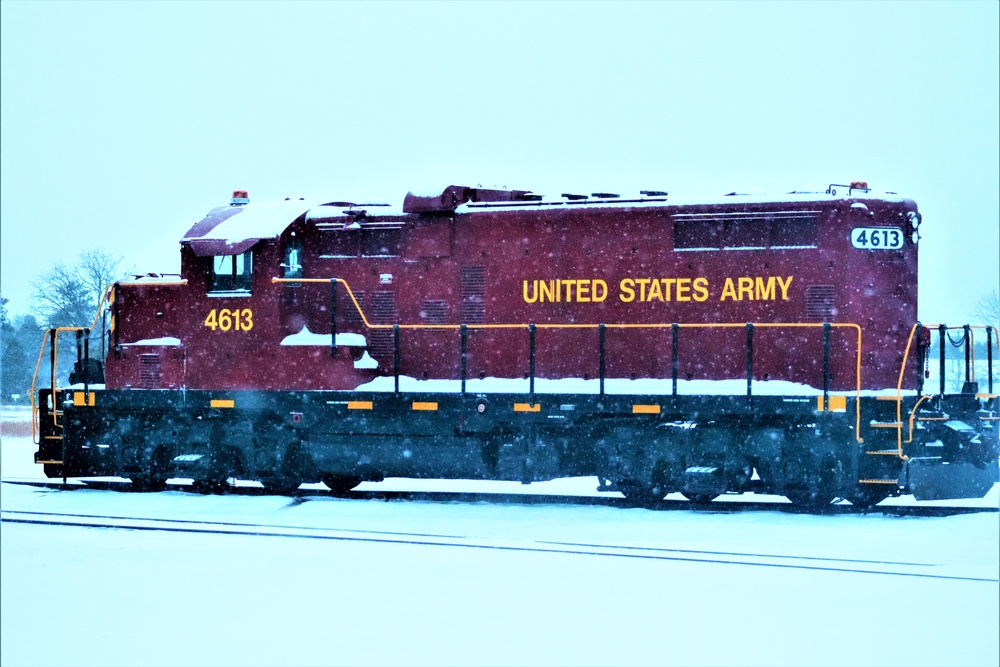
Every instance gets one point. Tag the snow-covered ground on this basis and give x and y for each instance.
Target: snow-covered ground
(326, 580)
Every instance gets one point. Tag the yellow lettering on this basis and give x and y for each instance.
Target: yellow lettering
(583, 291)
(603, 291)
(728, 290)
(654, 291)
(667, 284)
(569, 289)
(683, 287)
(642, 282)
(784, 287)
(745, 287)
(534, 293)
(627, 294)
(545, 291)
(701, 289)
(230, 320)
(765, 291)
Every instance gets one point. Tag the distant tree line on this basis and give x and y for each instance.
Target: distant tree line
(66, 295)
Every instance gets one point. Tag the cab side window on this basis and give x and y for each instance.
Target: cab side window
(292, 265)
(232, 273)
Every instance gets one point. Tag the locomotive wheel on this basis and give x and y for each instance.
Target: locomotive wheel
(810, 499)
(700, 498)
(155, 478)
(341, 484)
(645, 495)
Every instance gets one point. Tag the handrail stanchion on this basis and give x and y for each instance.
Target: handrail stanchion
(921, 354)
(395, 355)
(989, 356)
(52, 369)
(749, 359)
(79, 347)
(531, 368)
(86, 368)
(333, 317)
(674, 335)
(942, 333)
(968, 354)
(826, 366)
(465, 339)
(600, 336)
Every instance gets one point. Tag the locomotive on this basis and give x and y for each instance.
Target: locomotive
(712, 346)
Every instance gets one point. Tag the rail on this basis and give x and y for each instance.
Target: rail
(601, 328)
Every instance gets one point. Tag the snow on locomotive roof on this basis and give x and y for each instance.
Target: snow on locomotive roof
(548, 202)
(234, 229)
(231, 230)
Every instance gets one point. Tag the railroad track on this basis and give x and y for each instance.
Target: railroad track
(732, 507)
(259, 530)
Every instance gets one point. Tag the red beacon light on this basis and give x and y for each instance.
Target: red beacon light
(240, 198)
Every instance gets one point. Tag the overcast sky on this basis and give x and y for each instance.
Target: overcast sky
(124, 123)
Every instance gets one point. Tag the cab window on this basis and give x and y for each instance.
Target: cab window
(232, 273)
(292, 265)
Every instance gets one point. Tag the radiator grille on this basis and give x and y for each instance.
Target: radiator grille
(347, 309)
(434, 311)
(384, 311)
(150, 372)
(473, 294)
(384, 308)
(820, 302)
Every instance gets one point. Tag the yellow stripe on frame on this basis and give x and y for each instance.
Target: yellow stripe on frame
(429, 406)
(645, 409)
(80, 398)
(837, 403)
(527, 407)
(223, 403)
(359, 405)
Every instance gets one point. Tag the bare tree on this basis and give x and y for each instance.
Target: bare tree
(988, 309)
(69, 295)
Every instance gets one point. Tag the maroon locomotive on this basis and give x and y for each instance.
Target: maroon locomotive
(711, 346)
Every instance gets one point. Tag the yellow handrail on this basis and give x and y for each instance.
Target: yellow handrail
(902, 372)
(35, 425)
(369, 325)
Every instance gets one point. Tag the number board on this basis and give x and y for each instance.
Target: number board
(877, 238)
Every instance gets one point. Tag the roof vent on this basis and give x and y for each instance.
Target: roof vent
(604, 195)
(573, 197)
(653, 193)
(240, 198)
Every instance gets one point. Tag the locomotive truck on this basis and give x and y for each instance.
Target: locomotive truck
(712, 346)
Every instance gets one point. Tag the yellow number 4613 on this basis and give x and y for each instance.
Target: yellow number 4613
(225, 319)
